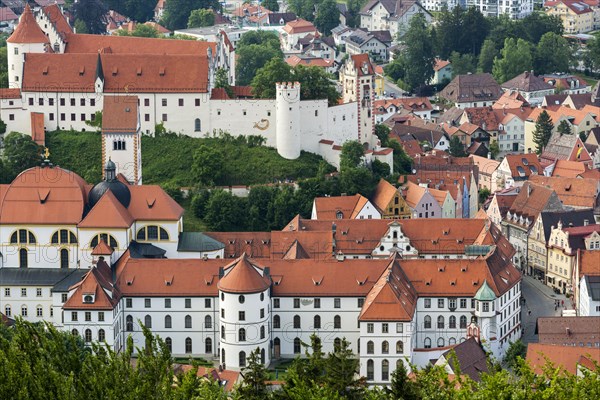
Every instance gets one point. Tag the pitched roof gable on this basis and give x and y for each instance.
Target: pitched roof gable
(243, 276)
(383, 195)
(107, 213)
(28, 31)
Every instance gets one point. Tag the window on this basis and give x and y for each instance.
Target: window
(23, 292)
(188, 303)
(207, 303)
(6, 292)
(167, 303)
(336, 303)
(23, 262)
(463, 322)
(119, 145)
(168, 322)
(463, 303)
(152, 232)
(296, 303)
(360, 302)
(73, 117)
(276, 322)
(164, 117)
(147, 303)
(370, 327)
(452, 304)
(197, 125)
(129, 323)
(242, 315)
(64, 258)
(164, 102)
(317, 303)
(208, 345)
(296, 322)
(128, 303)
(370, 347)
(385, 347)
(399, 347)
(197, 102)
(276, 303)
(427, 303)
(440, 303)
(88, 335)
(146, 117)
(242, 335)
(427, 322)
(208, 322)
(188, 345)
(108, 239)
(297, 346)
(82, 102)
(427, 343)
(337, 322)
(73, 102)
(39, 311)
(399, 327)
(88, 316)
(385, 370)
(440, 342)
(385, 328)
(74, 316)
(38, 292)
(92, 102)
(452, 322)
(222, 332)
(8, 311)
(63, 117)
(22, 236)
(262, 332)
(242, 299)
(222, 313)
(188, 322)
(75, 332)
(23, 311)
(337, 344)
(486, 306)
(101, 335)
(262, 312)
(180, 102)
(169, 344)
(101, 316)
(317, 322)
(370, 370)
(31, 101)
(147, 102)
(440, 322)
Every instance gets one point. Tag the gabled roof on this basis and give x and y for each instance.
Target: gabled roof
(362, 63)
(107, 213)
(440, 64)
(299, 26)
(564, 358)
(392, 298)
(6, 14)
(527, 82)
(57, 18)
(471, 358)
(152, 203)
(120, 114)
(28, 31)
(472, 87)
(533, 199)
(567, 217)
(102, 249)
(524, 165)
(572, 192)
(295, 252)
(511, 99)
(244, 276)
(568, 169)
(329, 207)
(383, 195)
(569, 330)
(97, 283)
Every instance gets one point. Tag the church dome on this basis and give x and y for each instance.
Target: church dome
(110, 182)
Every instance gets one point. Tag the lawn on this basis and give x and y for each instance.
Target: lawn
(279, 372)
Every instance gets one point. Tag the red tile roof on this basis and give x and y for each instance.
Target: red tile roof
(243, 276)
(299, 26)
(521, 165)
(439, 64)
(28, 31)
(107, 213)
(383, 195)
(572, 192)
(349, 206)
(10, 93)
(97, 283)
(589, 263)
(565, 358)
(102, 249)
(120, 114)
(57, 18)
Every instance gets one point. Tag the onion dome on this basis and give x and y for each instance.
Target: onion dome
(110, 182)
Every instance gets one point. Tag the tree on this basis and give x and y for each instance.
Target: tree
(271, 5)
(2, 127)
(353, 15)
(93, 14)
(260, 37)
(96, 122)
(254, 50)
(328, 16)
(3, 67)
(207, 166)
(200, 18)
(516, 58)
(460, 30)
(487, 55)
(564, 128)
(80, 27)
(351, 155)
(20, 153)
(222, 81)
(143, 30)
(494, 149)
(418, 54)
(456, 148)
(260, 208)
(553, 54)
(515, 350)
(543, 131)
(463, 64)
(255, 375)
(275, 70)
(303, 8)
(484, 193)
(177, 12)
(402, 387)
(224, 212)
(341, 367)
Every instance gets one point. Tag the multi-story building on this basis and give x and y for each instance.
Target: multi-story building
(492, 8)
(576, 16)
(391, 15)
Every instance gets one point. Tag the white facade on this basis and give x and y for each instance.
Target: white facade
(492, 8)
(587, 306)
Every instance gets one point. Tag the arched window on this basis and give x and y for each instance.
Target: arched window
(188, 322)
(168, 322)
(452, 322)
(8, 311)
(385, 347)
(262, 356)
(399, 347)
(188, 345)
(262, 331)
(152, 232)
(23, 311)
(395, 234)
(101, 335)
(297, 346)
(169, 344)
(370, 370)
(129, 323)
(427, 343)
(242, 359)
(440, 322)
(208, 322)
(296, 322)
(451, 341)
(276, 322)
(427, 322)
(242, 335)
(88, 335)
(440, 342)
(197, 125)
(463, 322)
(337, 344)
(64, 258)
(385, 370)
(63, 236)
(108, 239)
(75, 332)
(222, 332)
(148, 321)
(370, 347)
(208, 345)
(23, 259)
(22, 236)
(317, 322)
(242, 299)
(337, 322)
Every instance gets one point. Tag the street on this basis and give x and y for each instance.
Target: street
(539, 302)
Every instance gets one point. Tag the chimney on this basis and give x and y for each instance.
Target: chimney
(489, 155)
(267, 271)
(586, 222)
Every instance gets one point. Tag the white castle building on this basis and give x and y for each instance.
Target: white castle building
(59, 80)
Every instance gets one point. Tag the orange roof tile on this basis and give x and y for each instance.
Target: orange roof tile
(299, 26)
(254, 244)
(439, 64)
(102, 249)
(98, 283)
(383, 195)
(10, 93)
(566, 358)
(28, 31)
(589, 263)
(107, 213)
(524, 162)
(57, 18)
(243, 276)
(349, 206)
(572, 192)
(120, 114)
(152, 203)
(316, 245)
(568, 169)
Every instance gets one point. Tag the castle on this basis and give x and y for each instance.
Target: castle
(59, 79)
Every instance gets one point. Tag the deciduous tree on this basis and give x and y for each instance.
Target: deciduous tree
(487, 55)
(207, 166)
(93, 13)
(327, 17)
(553, 54)
(200, 18)
(271, 5)
(516, 58)
(418, 54)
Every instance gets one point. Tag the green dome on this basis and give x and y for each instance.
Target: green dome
(485, 293)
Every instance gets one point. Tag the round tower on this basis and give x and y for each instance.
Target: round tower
(288, 119)
(244, 300)
(485, 311)
(27, 37)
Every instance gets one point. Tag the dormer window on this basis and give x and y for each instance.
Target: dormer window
(339, 215)
(88, 298)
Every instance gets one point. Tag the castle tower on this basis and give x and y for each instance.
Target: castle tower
(121, 136)
(288, 119)
(244, 300)
(27, 37)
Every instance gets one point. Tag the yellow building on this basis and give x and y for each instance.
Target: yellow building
(379, 81)
(576, 16)
(389, 202)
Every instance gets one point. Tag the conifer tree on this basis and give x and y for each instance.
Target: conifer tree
(543, 131)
